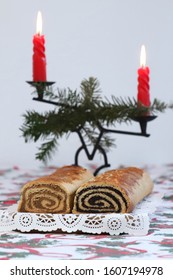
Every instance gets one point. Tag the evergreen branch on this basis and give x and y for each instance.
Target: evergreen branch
(47, 149)
(91, 135)
(90, 87)
(159, 106)
(83, 109)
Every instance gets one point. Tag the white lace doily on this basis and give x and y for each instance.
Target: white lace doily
(135, 223)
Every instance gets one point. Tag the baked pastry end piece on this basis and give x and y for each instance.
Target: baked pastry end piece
(53, 193)
(115, 191)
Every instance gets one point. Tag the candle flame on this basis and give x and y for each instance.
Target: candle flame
(39, 23)
(143, 57)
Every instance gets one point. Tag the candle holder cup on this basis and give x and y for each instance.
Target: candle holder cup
(143, 121)
(40, 87)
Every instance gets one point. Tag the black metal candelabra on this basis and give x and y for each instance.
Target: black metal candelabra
(142, 120)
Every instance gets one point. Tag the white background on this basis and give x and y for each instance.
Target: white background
(100, 38)
(59, 269)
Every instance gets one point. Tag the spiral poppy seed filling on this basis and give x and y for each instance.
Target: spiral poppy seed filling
(98, 199)
(115, 191)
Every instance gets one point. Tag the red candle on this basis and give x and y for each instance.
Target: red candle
(143, 81)
(39, 57)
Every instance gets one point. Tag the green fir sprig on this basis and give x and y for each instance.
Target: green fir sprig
(84, 109)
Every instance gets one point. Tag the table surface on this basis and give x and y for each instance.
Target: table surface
(157, 244)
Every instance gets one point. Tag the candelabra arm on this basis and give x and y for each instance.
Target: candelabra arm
(143, 121)
(90, 156)
(106, 164)
(144, 134)
(50, 102)
(84, 146)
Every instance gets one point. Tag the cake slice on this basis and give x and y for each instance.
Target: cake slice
(113, 191)
(53, 193)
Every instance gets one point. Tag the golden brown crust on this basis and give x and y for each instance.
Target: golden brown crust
(127, 177)
(128, 186)
(53, 193)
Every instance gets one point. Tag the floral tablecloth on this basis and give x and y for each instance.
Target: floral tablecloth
(157, 244)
